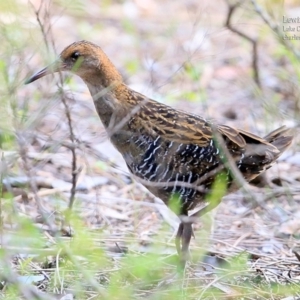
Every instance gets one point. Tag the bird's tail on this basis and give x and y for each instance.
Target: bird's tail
(280, 138)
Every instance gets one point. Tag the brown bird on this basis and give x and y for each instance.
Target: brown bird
(175, 154)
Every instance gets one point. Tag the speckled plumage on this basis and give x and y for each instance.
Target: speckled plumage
(172, 152)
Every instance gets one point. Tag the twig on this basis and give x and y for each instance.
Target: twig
(41, 24)
(87, 275)
(66, 108)
(239, 179)
(73, 151)
(29, 292)
(297, 255)
(32, 182)
(275, 28)
(1, 194)
(220, 278)
(253, 41)
(21, 141)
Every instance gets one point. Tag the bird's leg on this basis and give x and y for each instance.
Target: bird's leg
(185, 241)
(185, 232)
(178, 238)
(182, 241)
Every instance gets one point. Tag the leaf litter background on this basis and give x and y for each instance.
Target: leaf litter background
(179, 53)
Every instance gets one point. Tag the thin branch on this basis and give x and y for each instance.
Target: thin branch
(236, 174)
(41, 24)
(72, 136)
(296, 254)
(28, 291)
(32, 182)
(72, 149)
(253, 41)
(275, 28)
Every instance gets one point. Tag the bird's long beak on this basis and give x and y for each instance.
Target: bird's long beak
(57, 66)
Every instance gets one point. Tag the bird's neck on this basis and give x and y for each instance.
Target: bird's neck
(110, 94)
(111, 101)
(104, 100)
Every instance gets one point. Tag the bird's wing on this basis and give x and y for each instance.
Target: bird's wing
(181, 127)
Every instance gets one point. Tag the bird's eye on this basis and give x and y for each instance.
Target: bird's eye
(75, 55)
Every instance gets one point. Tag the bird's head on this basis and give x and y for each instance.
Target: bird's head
(84, 59)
